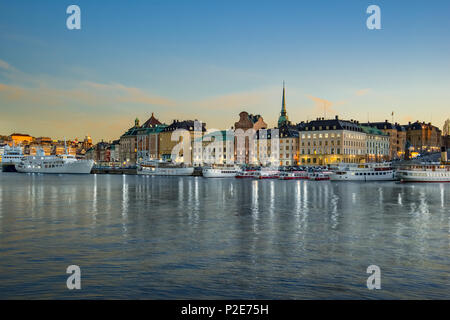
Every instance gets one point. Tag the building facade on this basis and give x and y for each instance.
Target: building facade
(377, 145)
(397, 137)
(147, 139)
(289, 145)
(216, 147)
(167, 145)
(128, 145)
(423, 137)
(244, 141)
(324, 142)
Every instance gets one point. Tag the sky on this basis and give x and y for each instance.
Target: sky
(210, 60)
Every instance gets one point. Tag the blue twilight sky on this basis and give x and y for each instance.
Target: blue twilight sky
(209, 60)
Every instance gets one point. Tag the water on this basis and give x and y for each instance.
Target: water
(195, 238)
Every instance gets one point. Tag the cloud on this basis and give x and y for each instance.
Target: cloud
(124, 94)
(4, 65)
(324, 105)
(54, 106)
(362, 92)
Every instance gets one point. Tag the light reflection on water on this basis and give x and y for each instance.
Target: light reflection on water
(144, 237)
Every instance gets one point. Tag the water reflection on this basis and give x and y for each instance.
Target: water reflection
(150, 237)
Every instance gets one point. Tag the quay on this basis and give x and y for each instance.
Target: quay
(129, 170)
(113, 170)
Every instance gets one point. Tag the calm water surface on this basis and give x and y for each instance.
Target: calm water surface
(190, 237)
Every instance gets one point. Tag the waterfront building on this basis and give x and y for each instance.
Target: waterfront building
(2, 151)
(87, 142)
(214, 147)
(397, 137)
(326, 141)
(289, 144)
(19, 138)
(266, 148)
(128, 147)
(166, 145)
(423, 137)
(148, 139)
(249, 124)
(377, 144)
(115, 151)
(33, 149)
(61, 148)
(446, 141)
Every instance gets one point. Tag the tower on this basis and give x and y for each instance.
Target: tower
(283, 119)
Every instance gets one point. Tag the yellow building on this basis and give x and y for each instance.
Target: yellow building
(324, 142)
(18, 138)
(423, 137)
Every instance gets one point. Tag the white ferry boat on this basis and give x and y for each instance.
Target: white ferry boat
(64, 163)
(163, 168)
(424, 173)
(293, 175)
(225, 171)
(362, 172)
(11, 156)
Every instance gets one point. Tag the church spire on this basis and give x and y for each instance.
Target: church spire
(283, 102)
(283, 119)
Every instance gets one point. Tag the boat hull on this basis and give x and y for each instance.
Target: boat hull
(364, 176)
(9, 167)
(78, 167)
(218, 173)
(424, 176)
(166, 171)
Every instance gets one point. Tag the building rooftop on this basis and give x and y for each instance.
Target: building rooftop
(329, 124)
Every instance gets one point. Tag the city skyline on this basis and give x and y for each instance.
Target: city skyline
(209, 61)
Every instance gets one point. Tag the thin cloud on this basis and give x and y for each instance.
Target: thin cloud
(321, 104)
(4, 65)
(362, 92)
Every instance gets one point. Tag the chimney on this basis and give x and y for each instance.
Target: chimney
(336, 117)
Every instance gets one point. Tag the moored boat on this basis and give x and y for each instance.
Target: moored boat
(11, 156)
(362, 172)
(424, 173)
(220, 171)
(427, 172)
(268, 173)
(163, 168)
(293, 175)
(55, 164)
(318, 176)
(243, 174)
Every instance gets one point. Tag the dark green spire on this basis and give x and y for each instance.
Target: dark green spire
(283, 119)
